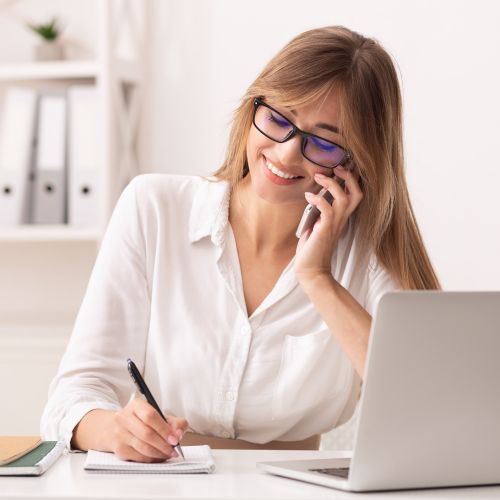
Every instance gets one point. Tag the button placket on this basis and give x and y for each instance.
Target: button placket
(231, 377)
(246, 329)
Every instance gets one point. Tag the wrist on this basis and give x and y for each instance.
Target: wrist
(94, 431)
(316, 282)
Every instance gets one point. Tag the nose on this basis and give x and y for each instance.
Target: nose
(289, 152)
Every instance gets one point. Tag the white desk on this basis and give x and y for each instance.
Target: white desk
(236, 477)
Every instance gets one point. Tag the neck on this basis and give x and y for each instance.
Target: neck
(265, 227)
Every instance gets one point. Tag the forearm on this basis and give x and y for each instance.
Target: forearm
(344, 316)
(94, 431)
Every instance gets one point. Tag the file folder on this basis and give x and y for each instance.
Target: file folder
(49, 194)
(83, 163)
(16, 149)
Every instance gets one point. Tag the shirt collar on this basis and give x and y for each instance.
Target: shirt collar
(210, 211)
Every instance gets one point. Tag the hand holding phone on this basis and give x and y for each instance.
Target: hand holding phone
(311, 214)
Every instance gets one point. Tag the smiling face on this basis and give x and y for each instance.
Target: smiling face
(279, 172)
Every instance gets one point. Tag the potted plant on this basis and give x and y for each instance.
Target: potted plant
(49, 49)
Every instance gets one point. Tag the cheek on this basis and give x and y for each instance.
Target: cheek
(255, 144)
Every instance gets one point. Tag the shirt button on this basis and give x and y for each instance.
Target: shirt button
(230, 396)
(247, 329)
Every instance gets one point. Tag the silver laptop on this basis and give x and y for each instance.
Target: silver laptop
(429, 413)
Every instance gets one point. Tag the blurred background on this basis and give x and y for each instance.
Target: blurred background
(161, 78)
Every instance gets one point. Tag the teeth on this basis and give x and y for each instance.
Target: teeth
(279, 173)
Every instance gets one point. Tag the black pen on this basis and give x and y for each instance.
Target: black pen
(143, 388)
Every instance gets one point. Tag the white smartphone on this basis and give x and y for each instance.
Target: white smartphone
(311, 213)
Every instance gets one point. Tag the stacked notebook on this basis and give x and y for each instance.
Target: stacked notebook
(197, 460)
(13, 447)
(27, 455)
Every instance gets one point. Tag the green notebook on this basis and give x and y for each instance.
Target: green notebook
(36, 462)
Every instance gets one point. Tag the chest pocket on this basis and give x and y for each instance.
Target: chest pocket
(313, 370)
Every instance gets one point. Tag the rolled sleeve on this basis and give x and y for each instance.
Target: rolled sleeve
(111, 326)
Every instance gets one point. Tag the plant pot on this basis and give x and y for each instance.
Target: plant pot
(49, 51)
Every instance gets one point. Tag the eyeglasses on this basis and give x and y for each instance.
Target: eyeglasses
(276, 127)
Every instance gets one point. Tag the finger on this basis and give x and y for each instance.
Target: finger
(303, 239)
(347, 175)
(126, 451)
(148, 435)
(334, 188)
(135, 456)
(353, 189)
(321, 204)
(146, 449)
(179, 425)
(145, 412)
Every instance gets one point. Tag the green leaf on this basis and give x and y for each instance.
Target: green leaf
(48, 31)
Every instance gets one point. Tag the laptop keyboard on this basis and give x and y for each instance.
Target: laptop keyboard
(342, 472)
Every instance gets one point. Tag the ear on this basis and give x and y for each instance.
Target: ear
(350, 165)
(348, 161)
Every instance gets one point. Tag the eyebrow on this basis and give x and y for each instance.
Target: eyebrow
(326, 126)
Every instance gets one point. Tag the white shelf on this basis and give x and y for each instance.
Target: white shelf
(34, 233)
(53, 70)
(66, 70)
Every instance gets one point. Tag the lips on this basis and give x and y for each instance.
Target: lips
(277, 175)
(280, 173)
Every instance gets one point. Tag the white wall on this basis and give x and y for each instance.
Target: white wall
(205, 53)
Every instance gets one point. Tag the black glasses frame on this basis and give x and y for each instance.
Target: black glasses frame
(296, 131)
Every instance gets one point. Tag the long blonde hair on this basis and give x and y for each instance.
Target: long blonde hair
(360, 70)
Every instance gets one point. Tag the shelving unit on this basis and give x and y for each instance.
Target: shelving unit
(44, 269)
(119, 83)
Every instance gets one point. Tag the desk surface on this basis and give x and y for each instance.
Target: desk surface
(236, 477)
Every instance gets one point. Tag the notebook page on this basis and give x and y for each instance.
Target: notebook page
(198, 459)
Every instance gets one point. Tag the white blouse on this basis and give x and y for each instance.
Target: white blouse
(166, 291)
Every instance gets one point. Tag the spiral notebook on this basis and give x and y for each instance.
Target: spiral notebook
(198, 460)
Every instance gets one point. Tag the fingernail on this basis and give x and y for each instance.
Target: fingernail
(179, 433)
(320, 176)
(308, 195)
(172, 440)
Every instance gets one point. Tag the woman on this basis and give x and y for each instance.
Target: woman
(246, 338)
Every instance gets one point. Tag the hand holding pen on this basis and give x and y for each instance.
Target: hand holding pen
(138, 432)
(172, 439)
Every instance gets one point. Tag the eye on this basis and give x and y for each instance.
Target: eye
(323, 145)
(278, 119)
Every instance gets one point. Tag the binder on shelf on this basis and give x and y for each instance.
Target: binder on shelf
(16, 148)
(49, 189)
(83, 162)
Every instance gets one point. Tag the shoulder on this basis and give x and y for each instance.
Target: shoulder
(175, 201)
(380, 281)
(166, 186)
(161, 193)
